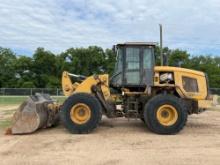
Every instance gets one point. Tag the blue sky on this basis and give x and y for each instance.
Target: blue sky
(191, 25)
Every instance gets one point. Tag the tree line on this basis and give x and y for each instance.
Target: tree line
(44, 69)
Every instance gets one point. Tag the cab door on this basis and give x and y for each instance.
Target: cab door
(132, 66)
(138, 66)
(147, 63)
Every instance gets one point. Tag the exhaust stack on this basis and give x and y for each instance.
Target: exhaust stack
(161, 45)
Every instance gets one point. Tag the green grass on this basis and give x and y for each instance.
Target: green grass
(16, 100)
(5, 123)
(8, 112)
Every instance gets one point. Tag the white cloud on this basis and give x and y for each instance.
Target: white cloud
(60, 24)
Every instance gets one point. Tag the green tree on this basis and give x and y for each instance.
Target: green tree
(84, 61)
(110, 59)
(7, 70)
(24, 72)
(44, 66)
(178, 58)
(44, 69)
(209, 65)
(166, 52)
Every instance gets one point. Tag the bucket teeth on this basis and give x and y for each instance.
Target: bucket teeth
(33, 114)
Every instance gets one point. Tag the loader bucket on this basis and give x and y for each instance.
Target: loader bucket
(34, 113)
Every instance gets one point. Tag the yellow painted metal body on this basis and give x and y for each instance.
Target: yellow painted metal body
(67, 85)
(206, 104)
(69, 88)
(201, 96)
(179, 73)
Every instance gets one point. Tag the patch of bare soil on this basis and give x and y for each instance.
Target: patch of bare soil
(118, 141)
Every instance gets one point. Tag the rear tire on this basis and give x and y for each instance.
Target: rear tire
(71, 122)
(165, 114)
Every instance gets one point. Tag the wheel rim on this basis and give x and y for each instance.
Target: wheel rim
(80, 113)
(167, 115)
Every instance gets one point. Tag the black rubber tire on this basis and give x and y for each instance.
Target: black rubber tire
(150, 110)
(92, 123)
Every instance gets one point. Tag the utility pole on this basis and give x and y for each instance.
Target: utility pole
(161, 44)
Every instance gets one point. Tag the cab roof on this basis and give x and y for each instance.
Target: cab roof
(138, 44)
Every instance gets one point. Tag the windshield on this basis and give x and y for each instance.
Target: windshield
(148, 58)
(118, 67)
(117, 76)
(133, 66)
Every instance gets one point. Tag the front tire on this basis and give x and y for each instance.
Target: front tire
(81, 113)
(165, 114)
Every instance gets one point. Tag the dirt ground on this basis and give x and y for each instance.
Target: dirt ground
(117, 141)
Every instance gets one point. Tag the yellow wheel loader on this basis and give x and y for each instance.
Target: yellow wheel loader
(161, 96)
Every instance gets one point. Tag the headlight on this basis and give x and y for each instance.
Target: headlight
(166, 77)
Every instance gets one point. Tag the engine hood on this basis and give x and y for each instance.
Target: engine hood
(177, 69)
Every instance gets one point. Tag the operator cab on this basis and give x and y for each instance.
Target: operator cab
(134, 65)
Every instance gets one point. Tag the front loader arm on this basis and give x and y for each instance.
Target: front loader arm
(86, 85)
(67, 85)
